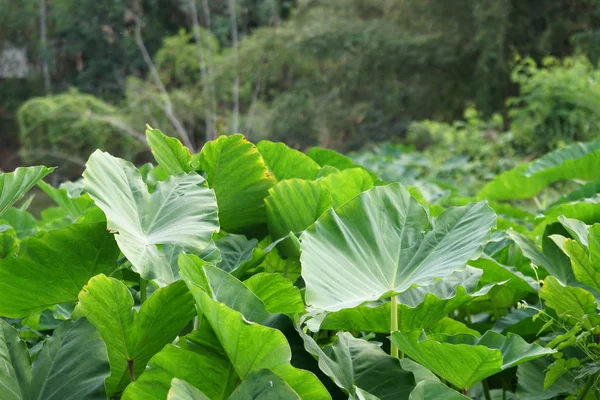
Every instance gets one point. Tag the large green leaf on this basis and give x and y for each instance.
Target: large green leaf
(53, 266)
(227, 348)
(374, 246)
(530, 376)
(8, 242)
(352, 362)
(263, 347)
(132, 338)
(240, 178)
(418, 308)
(556, 264)
(70, 208)
(264, 385)
(278, 293)
(13, 185)
(71, 365)
(579, 160)
(287, 163)
(236, 252)
(464, 359)
(572, 303)
(431, 390)
(292, 206)
(182, 390)
(15, 379)
(181, 213)
(585, 269)
(346, 184)
(170, 154)
(23, 222)
(332, 158)
(260, 385)
(197, 358)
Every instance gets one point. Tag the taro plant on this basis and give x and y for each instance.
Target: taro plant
(256, 271)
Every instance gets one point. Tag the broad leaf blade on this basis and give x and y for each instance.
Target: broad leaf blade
(241, 180)
(53, 267)
(170, 154)
(13, 185)
(264, 385)
(133, 338)
(182, 390)
(15, 378)
(374, 246)
(287, 163)
(465, 359)
(352, 362)
(263, 347)
(181, 213)
(72, 364)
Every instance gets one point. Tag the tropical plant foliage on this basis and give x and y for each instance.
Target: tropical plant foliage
(255, 271)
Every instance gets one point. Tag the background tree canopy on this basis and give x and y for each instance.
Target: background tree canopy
(332, 73)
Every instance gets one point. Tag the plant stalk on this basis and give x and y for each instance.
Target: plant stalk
(143, 286)
(586, 388)
(486, 390)
(394, 326)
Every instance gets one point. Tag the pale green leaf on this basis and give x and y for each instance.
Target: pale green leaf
(375, 246)
(181, 213)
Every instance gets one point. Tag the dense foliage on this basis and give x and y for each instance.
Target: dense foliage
(250, 271)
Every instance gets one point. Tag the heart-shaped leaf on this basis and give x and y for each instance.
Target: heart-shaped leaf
(431, 390)
(352, 362)
(132, 338)
(182, 390)
(53, 266)
(181, 213)
(464, 359)
(72, 364)
(287, 163)
(241, 180)
(226, 347)
(265, 348)
(418, 308)
(374, 246)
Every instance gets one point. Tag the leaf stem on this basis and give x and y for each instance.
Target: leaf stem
(486, 390)
(394, 326)
(143, 286)
(586, 388)
(131, 370)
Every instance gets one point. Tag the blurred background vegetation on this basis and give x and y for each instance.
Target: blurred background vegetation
(417, 87)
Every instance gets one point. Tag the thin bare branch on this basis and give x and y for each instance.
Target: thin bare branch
(210, 69)
(44, 45)
(250, 120)
(236, 81)
(168, 106)
(208, 113)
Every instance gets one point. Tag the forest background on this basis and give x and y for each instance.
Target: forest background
(459, 85)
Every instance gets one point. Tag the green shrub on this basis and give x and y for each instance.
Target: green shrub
(64, 129)
(558, 103)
